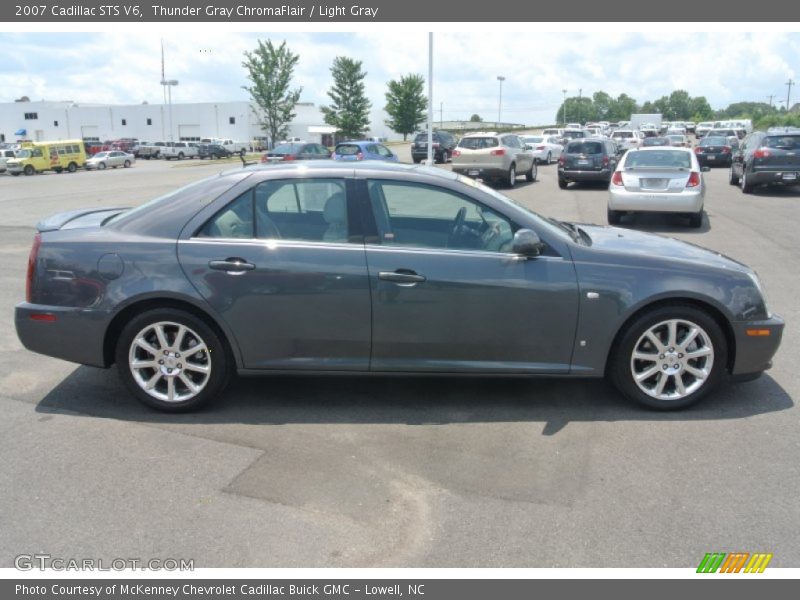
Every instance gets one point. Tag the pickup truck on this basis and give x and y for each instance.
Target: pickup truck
(147, 150)
(180, 150)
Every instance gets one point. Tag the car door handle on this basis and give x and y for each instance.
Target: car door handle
(232, 265)
(401, 277)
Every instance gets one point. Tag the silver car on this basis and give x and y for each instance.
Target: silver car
(496, 157)
(657, 179)
(111, 158)
(545, 148)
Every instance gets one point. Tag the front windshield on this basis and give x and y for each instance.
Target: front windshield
(23, 153)
(101, 155)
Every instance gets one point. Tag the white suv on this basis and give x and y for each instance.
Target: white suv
(627, 138)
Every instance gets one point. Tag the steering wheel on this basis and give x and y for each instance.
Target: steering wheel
(458, 223)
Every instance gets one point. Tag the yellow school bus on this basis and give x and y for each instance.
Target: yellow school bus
(35, 157)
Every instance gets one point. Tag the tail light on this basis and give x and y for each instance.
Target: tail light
(456, 153)
(289, 156)
(264, 158)
(698, 150)
(540, 147)
(694, 179)
(761, 153)
(726, 149)
(616, 178)
(360, 156)
(498, 152)
(562, 161)
(605, 160)
(32, 258)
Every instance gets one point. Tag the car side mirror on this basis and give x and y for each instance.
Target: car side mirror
(705, 169)
(527, 243)
(528, 147)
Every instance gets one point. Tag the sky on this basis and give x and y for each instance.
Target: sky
(125, 67)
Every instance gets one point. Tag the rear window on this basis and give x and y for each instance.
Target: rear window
(287, 148)
(477, 143)
(348, 149)
(585, 148)
(782, 142)
(622, 134)
(532, 140)
(659, 159)
(714, 141)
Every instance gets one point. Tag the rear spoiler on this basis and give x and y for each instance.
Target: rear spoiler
(74, 219)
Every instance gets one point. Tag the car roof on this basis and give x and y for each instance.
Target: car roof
(334, 166)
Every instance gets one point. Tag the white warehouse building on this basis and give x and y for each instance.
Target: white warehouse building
(46, 120)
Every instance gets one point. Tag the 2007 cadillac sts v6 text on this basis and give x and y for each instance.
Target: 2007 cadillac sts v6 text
(380, 268)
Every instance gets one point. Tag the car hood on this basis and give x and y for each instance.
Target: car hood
(637, 243)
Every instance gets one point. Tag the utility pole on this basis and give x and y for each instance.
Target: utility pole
(501, 79)
(580, 91)
(771, 96)
(789, 84)
(441, 114)
(564, 109)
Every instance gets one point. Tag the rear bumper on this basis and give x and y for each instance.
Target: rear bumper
(774, 176)
(76, 334)
(754, 353)
(718, 160)
(684, 202)
(574, 175)
(482, 172)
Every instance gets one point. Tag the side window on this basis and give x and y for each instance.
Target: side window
(383, 150)
(233, 221)
(302, 210)
(410, 214)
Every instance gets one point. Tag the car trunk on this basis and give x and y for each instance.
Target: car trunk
(781, 153)
(653, 179)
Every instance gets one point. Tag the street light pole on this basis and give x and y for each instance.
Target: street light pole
(564, 108)
(168, 84)
(501, 79)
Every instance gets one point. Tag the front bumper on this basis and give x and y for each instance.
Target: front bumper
(754, 352)
(76, 334)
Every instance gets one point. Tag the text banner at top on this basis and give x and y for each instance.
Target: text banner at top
(266, 11)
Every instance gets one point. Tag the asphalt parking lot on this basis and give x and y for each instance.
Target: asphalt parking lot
(418, 472)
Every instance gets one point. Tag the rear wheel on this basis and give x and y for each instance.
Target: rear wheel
(669, 357)
(512, 176)
(747, 187)
(172, 360)
(563, 183)
(614, 217)
(696, 219)
(732, 178)
(549, 160)
(72, 167)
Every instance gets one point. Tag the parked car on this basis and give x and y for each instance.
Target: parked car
(363, 150)
(665, 180)
(213, 151)
(296, 151)
(766, 159)
(6, 154)
(655, 141)
(111, 158)
(387, 269)
(628, 138)
(179, 151)
(544, 148)
(592, 159)
(443, 145)
(494, 157)
(714, 150)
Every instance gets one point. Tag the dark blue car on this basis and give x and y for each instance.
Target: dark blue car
(363, 150)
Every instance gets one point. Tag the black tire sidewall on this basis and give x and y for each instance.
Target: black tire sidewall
(221, 362)
(619, 362)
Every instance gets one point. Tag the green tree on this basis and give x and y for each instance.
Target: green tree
(700, 109)
(622, 109)
(602, 104)
(349, 109)
(405, 104)
(270, 69)
(476, 118)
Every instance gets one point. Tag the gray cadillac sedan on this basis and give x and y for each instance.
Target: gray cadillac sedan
(382, 268)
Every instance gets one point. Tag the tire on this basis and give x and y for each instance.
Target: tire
(58, 169)
(15, 174)
(127, 164)
(614, 217)
(511, 179)
(549, 160)
(732, 178)
(180, 156)
(696, 219)
(530, 174)
(29, 170)
(210, 369)
(72, 167)
(747, 188)
(697, 375)
(563, 183)
(416, 160)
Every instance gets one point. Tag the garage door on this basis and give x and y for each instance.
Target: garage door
(189, 133)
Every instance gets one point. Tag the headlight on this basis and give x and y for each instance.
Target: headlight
(757, 282)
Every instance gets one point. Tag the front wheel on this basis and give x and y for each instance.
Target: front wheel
(563, 183)
(127, 164)
(101, 166)
(29, 170)
(512, 176)
(669, 358)
(530, 174)
(172, 360)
